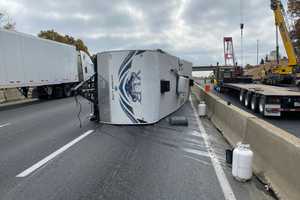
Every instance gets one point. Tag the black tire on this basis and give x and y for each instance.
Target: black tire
(242, 96)
(50, 91)
(67, 91)
(58, 92)
(247, 101)
(261, 106)
(42, 93)
(254, 103)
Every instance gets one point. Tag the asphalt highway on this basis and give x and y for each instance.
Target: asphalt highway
(45, 154)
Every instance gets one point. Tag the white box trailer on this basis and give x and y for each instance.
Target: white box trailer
(28, 61)
(140, 86)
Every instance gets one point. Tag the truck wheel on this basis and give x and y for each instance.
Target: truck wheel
(41, 93)
(247, 99)
(254, 103)
(58, 92)
(261, 106)
(49, 92)
(67, 91)
(242, 96)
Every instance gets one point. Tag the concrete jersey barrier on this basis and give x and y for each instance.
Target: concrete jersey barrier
(8, 95)
(276, 152)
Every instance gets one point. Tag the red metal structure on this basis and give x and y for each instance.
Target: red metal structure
(229, 52)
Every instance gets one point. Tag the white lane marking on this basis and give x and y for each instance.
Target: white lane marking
(3, 125)
(226, 188)
(53, 155)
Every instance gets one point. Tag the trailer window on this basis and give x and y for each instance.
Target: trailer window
(164, 86)
(85, 70)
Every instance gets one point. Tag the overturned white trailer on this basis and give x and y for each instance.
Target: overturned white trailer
(140, 86)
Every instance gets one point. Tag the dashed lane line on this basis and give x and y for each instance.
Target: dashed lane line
(53, 155)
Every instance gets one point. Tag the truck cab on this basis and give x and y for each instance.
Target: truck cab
(85, 66)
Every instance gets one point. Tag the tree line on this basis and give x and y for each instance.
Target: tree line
(53, 35)
(294, 12)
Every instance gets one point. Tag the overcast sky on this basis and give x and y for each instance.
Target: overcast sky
(191, 29)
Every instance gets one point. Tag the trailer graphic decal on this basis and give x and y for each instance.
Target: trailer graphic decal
(129, 87)
(125, 66)
(132, 87)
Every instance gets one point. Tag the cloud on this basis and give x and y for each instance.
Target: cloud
(192, 29)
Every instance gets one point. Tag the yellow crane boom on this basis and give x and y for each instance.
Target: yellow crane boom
(277, 8)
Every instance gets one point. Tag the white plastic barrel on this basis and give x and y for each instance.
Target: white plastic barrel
(202, 109)
(242, 162)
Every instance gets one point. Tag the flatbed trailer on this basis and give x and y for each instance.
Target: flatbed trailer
(266, 99)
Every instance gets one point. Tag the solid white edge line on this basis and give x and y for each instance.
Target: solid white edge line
(3, 125)
(53, 155)
(225, 185)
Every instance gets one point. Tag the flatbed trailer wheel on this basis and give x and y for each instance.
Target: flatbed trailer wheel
(247, 100)
(261, 106)
(254, 103)
(242, 96)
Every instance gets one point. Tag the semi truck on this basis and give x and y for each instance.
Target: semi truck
(49, 67)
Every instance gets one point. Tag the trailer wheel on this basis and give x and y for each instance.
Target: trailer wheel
(40, 92)
(58, 92)
(247, 100)
(254, 103)
(49, 91)
(261, 106)
(242, 96)
(67, 91)
(44, 92)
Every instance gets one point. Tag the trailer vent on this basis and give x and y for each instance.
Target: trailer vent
(164, 86)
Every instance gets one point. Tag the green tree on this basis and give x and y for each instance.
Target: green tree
(294, 12)
(55, 36)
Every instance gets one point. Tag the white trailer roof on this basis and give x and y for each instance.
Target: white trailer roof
(35, 37)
